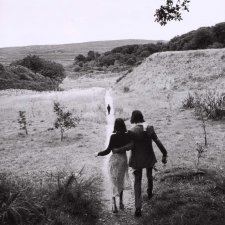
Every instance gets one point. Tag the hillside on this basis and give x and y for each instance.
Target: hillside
(19, 77)
(179, 71)
(64, 53)
(159, 86)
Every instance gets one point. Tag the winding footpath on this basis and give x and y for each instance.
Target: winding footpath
(125, 216)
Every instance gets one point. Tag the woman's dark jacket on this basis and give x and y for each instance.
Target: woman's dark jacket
(117, 140)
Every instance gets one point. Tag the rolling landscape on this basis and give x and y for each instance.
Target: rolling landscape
(50, 176)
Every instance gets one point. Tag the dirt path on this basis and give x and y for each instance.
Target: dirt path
(126, 216)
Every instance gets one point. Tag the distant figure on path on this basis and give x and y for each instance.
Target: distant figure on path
(117, 166)
(108, 109)
(142, 155)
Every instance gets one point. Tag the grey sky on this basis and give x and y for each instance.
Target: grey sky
(31, 22)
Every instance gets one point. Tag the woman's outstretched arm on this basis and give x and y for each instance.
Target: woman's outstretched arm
(108, 149)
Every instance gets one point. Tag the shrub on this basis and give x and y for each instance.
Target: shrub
(107, 60)
(212, 105)
(189, 102)
(131, 61)
(80, 58)
(2, 69)
(126, 89)
(23, 121)
(64, 120)
(77, 69)
(17, 205)
(145, 54)
(76, 196)
(46, 68)
(61, 199)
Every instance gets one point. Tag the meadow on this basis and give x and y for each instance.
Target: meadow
(185, 192)
(41, 149)
(158, 87)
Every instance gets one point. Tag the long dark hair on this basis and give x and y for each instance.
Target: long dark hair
(119, 126)
(137, 117)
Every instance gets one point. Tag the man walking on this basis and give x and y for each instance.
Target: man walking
(142, 155)
(108, 109)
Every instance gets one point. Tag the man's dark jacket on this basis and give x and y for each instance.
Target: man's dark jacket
(142, 154)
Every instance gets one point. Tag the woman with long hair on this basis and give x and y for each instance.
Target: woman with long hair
(117, 166)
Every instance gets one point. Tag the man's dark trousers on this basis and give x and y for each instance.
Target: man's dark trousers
(137, 185)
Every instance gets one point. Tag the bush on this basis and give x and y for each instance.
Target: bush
(63, 199)
(131, 61)
(46, 68)
(212, 105)
(23, 121)
(80, 58)
(64, 120)
(17, 204)
(126, 89)
(189, 102)
(2, 69)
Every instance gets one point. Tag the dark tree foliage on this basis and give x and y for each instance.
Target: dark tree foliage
(2, 69)
(47, 68)
(80, 58)
(171, 11)
(202, 38)
(132, 55)
(219, 32)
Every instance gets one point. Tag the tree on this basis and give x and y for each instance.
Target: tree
(64, 120)
(171, 11)
(23, 121)
(47, 68)
(80, 58)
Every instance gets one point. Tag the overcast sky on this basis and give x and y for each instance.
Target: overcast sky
(36, 22)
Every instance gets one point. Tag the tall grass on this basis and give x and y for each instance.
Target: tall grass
(62, 199)
(185, 197)
(211, 103)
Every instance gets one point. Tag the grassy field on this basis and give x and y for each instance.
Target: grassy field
(157, 88)
(41, 150)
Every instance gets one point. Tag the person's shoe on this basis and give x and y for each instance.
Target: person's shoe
(121, 206)
(138, 212)
(150, 195)
(114, 209)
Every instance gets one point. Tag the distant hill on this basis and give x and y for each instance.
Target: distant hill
(128, 56)
(64, 53)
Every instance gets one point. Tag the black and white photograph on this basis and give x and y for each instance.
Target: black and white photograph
(112, 112)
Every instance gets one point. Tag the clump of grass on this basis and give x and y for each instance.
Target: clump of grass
(76, 197)
(200, 152)
(186, 197)
(211, 104)
(126, 89)
(18, 205)
(62, 199)
(23, 121)
(189, 102)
